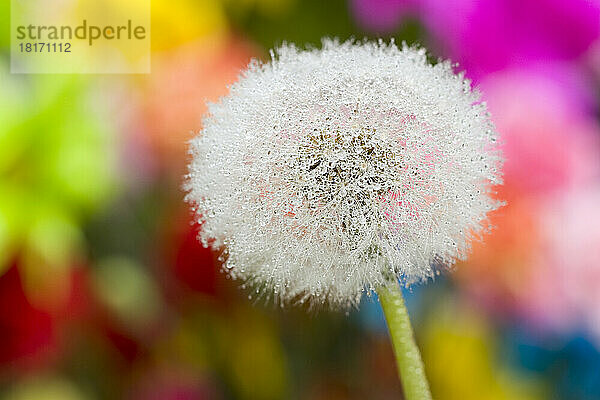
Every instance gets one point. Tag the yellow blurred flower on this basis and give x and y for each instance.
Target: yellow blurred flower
(459, 355)
(177, 22)
(45, 388)
(239, 342)
(272, 8)
(256, 362)
(128, 291)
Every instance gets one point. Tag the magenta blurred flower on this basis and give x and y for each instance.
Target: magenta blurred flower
(486, 36)
(382, 16)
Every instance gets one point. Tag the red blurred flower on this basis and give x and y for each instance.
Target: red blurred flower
(174, 385)
(194, 265)
(27, 334)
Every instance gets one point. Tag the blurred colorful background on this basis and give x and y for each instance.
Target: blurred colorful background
(106, 294)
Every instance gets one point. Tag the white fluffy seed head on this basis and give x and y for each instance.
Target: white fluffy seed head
(326, 173)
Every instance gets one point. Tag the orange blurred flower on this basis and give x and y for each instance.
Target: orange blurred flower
(173, 99)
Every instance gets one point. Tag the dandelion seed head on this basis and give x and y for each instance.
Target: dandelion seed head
(328, 172)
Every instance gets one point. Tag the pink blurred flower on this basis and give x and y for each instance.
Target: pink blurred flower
(382, 16)
(550, 141)
(565, 291)
(541, 260)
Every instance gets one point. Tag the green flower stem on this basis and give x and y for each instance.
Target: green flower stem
(408, 358)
